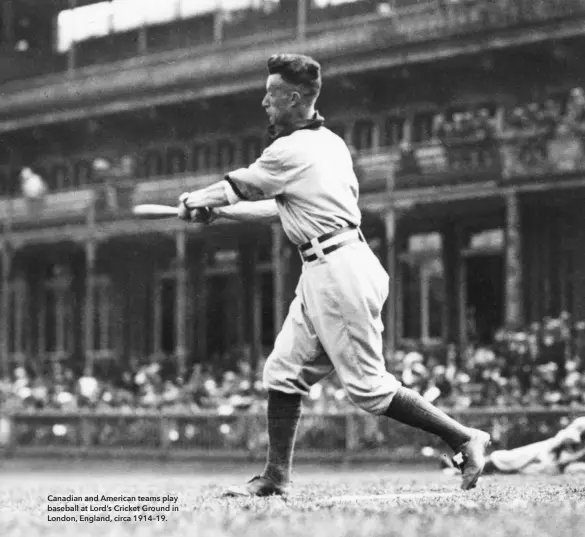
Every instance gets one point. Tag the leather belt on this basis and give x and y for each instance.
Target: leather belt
(308, 257)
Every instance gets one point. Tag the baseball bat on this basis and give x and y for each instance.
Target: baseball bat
(153, 211)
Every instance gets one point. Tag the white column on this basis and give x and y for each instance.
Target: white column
(6, 268)
(514, 302)
(89, 312)
(390, 328)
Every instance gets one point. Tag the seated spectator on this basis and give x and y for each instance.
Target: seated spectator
(573, 121)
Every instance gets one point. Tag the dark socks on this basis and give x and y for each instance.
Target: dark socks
(410, 408)
(284, 412)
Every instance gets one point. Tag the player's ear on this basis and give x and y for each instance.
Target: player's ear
(295, 98)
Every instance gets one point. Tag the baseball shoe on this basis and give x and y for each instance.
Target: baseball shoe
(257, 486)
(471, 459)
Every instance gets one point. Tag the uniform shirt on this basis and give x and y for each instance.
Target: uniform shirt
(310, 174)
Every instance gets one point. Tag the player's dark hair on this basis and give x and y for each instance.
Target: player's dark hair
(298, 70)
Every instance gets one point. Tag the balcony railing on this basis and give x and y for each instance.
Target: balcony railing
(56, 206)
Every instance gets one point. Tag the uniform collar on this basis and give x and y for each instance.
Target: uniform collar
(313, 123)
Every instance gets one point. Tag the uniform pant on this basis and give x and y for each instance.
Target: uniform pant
(335, 323)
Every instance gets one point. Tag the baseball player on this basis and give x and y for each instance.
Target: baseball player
(305, 177)
(562, 453)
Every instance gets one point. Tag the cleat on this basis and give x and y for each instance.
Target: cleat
(471, 459)
(258, 486)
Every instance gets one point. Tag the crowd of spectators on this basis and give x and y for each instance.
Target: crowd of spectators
(472, 125)
(537, 124)
(537, 137)
(540, 366)
(538, 119)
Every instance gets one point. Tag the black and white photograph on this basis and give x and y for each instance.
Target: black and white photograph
(292, 268)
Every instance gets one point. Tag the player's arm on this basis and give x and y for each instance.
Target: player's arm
(263, 180)
(248, 211)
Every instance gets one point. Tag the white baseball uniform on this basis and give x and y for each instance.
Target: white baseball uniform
(334, 321)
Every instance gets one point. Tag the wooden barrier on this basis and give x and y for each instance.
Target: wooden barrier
(332, 436)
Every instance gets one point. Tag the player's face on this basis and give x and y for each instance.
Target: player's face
(279, 100)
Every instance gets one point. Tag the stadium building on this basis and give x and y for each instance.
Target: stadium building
(465, 118)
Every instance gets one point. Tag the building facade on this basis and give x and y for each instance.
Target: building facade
(468, 146)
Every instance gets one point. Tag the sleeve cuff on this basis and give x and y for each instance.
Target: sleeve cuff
(235, 187)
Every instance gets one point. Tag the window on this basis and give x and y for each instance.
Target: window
(226, 155)
(4, 190)
(363, 135)
(101, 288)
(176, 161)
(423, 285)
(202, 158)
(164, 314)
(17, 319)
(252, 149)
(14, 183)
(154, 164)
(59, 177)
(82, 174)
(56, 315)
(422, 128)
(393, 131)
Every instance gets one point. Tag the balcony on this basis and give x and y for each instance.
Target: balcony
(522, 159)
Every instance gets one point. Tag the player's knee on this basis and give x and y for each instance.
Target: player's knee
(373, 400)
(369, 405)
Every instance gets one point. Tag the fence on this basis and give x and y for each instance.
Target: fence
(350, 436)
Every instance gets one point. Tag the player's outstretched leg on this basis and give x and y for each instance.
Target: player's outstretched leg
(284, 412)
(469, 444)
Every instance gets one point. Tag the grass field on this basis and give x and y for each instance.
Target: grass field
(382, 500)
